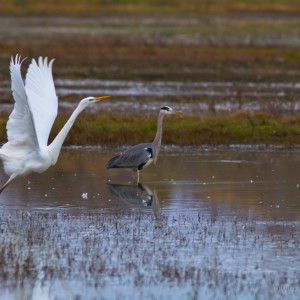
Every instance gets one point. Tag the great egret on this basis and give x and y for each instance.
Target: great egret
(141, 156)
(30, 122)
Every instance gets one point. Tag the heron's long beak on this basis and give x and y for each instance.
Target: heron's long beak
(101, 98)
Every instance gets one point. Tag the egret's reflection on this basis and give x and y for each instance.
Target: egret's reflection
(135, 195)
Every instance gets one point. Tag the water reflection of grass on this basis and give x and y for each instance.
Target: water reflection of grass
(209, 255)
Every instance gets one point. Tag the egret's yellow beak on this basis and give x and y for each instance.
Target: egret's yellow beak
(101, 98)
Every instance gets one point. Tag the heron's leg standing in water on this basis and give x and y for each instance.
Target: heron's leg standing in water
(136, 175)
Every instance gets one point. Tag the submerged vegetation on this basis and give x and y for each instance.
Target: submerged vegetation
(191, 254)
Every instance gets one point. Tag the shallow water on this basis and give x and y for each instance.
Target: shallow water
(188, 180)
(169, 88)
(210, 96)
(196, 89)
(213, 224)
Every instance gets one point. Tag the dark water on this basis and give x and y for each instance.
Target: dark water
(214, 224)
(237, 182)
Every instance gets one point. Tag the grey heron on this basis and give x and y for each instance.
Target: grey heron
(141, 156)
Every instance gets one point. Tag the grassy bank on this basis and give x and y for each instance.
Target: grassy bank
(148, 6)
(239, 128)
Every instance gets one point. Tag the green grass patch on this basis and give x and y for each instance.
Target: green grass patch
(239, 128)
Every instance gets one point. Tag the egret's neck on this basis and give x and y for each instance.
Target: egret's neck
(55, 147)
(157, 141)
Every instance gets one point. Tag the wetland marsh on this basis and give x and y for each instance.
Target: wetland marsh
(218, 216)
(210, 66)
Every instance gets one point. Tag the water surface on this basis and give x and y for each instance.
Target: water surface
(136, 96)
(201, 223)
(240, 181)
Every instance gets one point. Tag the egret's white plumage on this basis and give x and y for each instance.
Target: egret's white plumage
(42, 99)
(31, 120)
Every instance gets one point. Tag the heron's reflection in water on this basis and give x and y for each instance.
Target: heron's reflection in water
(136, 195)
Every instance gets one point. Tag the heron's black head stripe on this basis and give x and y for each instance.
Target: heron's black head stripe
(167, 108)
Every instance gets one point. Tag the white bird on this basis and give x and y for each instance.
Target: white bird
(31, 120)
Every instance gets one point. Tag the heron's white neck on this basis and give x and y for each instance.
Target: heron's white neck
(157, 141)
(55, 147)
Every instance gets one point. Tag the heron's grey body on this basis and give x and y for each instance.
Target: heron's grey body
(141, 156)
(136, 157)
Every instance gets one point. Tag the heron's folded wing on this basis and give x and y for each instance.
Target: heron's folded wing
(20, 127)
(133, 157)
(42, 97)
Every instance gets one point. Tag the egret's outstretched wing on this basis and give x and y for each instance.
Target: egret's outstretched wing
(134, 157)
(20, 127)
(41, 97)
